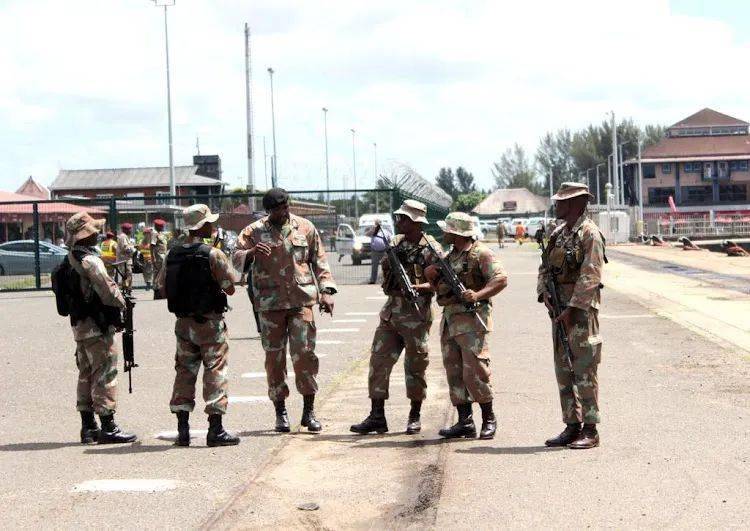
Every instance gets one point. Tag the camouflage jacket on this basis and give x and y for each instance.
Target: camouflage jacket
(94, 277)
(415, 259)
(576, 257)
(160, 240)
(475, 267)
(288, 277)
(125, 248)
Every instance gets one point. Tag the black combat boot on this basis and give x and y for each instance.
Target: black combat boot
(111, 433)
(308, 414)
(89, 427)
(413, 425)
(569, 434)
(464, 427)
(489, 423)
(588, 438)
(217, 435)
(282, 417)
(183, 428)
(375, 421)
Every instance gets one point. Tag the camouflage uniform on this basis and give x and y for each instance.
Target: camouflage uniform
(284, 290)
(159, 242)
(577, 255)
(96, 353)
(202, 341)
(401, 327)
(463, 339)
(125, 251)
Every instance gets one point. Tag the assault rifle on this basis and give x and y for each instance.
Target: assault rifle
(457, 287)
(550, 284)
(403, 283)
(128, 350)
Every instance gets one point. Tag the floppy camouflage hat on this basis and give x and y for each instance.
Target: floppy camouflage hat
(195, 216)
(569, 190)
(81, 226)
(460, 224)
(414, 210)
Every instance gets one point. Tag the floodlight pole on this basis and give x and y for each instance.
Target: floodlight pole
(354, 174)
(172, 184)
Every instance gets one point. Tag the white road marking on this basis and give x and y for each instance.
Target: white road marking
(378, 298)
(635, 316)
(125, 485)
(253, 375)
(349, 320)
(247, 399)
(327, 342)
(362, 313)
(172, 435)
(340, 330)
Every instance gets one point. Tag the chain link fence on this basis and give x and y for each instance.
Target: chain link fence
(33, 236)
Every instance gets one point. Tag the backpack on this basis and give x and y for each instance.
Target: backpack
(65, 281)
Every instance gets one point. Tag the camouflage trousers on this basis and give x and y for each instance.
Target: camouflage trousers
(148, 272)
(579, 389)
(297, 327)
(389, 340)
(466, 358)
(200, 343)
(127, 271)
(158, 263)
(96, 359)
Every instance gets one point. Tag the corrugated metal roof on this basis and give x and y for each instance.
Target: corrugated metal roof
(699, 146)
(707, 118)
(523, 200)
(156, 177)
(34, 189)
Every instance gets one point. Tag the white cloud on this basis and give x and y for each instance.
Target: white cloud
(433, 83)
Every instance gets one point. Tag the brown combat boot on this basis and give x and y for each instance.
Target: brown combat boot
(569, 434)
(414, 424)
(589, 438)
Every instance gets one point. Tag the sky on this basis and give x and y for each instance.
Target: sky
(432, 83)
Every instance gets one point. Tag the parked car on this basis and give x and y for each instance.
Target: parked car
(17, 257)
(488, 226)
(479, 233)
(353, 243)
(506, 224)
(517, 221)
(533, 225)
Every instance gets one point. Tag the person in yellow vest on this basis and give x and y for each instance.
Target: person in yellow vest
(108, 252)
(148, 264)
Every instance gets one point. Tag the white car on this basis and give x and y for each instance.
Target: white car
(533, 225)
(351, 242)
(478, 224)
(514, 222)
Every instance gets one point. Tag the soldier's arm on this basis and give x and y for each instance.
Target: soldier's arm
(590, 275)
(161, 278)
(222, 271)
(541, 286)
(102, 283)
(241, 253)
(493, 273)
(319, 263)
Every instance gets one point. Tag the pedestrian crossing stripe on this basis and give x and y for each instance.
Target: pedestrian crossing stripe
(253, 375)
(172, 435)
(327, 342)
(377, 298)
(125, 485)
(349, 320)
(339, 330)
(362, 313)
(247, 399)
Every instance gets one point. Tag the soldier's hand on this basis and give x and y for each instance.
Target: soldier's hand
(548, 303)
(565, 318)
(469, 296)
(432, 272)
(326, 303)
(261, 247)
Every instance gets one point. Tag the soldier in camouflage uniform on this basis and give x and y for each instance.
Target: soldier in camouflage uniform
(402, 326)
(464, 331)
(96, 353)
(125, 251)
(159, 243)
(289, 270)
(576, 257)
(196, 279)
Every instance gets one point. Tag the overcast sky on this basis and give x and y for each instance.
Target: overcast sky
(434, 83)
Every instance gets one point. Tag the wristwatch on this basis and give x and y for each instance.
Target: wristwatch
(328, 291)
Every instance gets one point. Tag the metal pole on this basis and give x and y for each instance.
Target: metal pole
(172, 184)
(328, 177)
(275, 165)
(375, 172)
(640, 185)
(248, 112)
(621, 177)
(598, 197)
(265, 162)
(354, 174)
(37, 264)
(614, 155)
(588, 182)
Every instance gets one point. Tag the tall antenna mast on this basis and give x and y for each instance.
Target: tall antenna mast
(249, 113)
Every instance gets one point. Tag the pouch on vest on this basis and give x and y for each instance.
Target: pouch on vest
(190, 286)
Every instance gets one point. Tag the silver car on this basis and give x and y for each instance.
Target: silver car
(17, 257)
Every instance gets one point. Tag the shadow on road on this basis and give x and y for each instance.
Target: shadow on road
(25, 447)
(136, 448)
(508, 450)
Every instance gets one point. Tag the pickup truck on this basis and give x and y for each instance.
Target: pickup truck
(353, 243)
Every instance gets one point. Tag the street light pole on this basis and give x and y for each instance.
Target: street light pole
(325, 134)
(640, 186)
(615, 177)
(275, 165)
(354, 175)
(375, 172)
(598, 197)
(172, 184)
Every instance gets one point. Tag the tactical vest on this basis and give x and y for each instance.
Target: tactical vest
(413, 261)
(565, 256)
(469, 273)
(191, 289)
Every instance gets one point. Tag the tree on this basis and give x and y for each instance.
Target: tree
(514, 170)
(466, 202)
(465, 181)
(447, 182)
(553, 157)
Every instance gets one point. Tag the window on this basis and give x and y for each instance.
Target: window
(733, 192)
(738, 165)
(162, 201)
(692, 167)
(649, 171)
(666, 168)
(697, 194)
(104, 196)
(659, 196)
(510, 205)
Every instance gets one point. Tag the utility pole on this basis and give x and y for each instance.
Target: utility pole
(275, 165)
(354, 175)
(375, 172)
(328, 178)
(172, 184)
(615, 177)
(640, 186)
(621, 176)
(249, 114)
(265, 162)
(598, 197)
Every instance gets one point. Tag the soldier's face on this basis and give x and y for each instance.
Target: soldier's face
(279, 214)
(404, 224)
(448, 238)
(561, 209)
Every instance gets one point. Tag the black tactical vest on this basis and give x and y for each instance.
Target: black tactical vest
(191, 289)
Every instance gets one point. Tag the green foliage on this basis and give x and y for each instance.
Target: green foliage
(466, 202)
(465, 181)
(446, 181)
(456, 184)
(514, 170)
